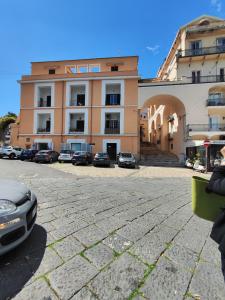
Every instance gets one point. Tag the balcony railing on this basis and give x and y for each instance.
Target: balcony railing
(205, 79)
(201, 51)
(215, 102)
(72, 130)
(43, 130)
(44, 102)
(112, 99)
(205, 127)
(112, 127)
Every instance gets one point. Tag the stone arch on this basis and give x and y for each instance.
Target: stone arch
(170, 113)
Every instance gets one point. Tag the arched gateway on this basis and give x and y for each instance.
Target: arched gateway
(163, 124)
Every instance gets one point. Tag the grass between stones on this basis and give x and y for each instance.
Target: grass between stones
(137, 291)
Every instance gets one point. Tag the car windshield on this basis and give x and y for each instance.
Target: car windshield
(44, 152)
(127, 155)
(26, 151)
(80, 152)
(66, 152)
(102, 154)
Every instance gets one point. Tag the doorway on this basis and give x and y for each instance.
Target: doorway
(111, 149)
(43, 146)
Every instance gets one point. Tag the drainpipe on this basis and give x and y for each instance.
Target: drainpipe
(91, 112)
(62, 118)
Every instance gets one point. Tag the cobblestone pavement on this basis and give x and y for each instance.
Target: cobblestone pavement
(114, 171)
(111, 238)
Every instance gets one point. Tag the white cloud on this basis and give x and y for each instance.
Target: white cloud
(153, 49)
(217, 4)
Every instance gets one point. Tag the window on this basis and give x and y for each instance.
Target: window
(44, 96)
(94, 68)
(112, 123)
(51, 71)
(77, 95)
(113, 94)
(43, 123)
(222, 75)
(76, 122)
(82, 69)
(114, 68)
(70, 69)
(195, 47)
(196, 76)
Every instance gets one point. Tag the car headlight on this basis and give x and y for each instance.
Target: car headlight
(121, 159)
(6, 207)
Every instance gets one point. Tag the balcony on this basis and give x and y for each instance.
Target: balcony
(43, 130)
(112, 127)
(194, 129)
(215, 102)
(205, 79)
(76, 130)
(201, 51)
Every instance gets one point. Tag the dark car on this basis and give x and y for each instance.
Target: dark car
(18, 211)
(48, 156)
(28, 154)
(82, 157)
(126, 159)
(101, 159)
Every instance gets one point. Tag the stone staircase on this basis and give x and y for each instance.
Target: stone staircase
(152, 156)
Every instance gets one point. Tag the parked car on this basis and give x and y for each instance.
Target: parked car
(126, 159)
(199, 167)
(101, 159)
(10, 152)
(18, 211)
(48, 156)
(82, 157)
(28, 154)
(65, 156)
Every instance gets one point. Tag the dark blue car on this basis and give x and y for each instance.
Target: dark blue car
(28, 154)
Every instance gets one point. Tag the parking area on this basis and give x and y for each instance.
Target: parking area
(115, 171)
(111, 234)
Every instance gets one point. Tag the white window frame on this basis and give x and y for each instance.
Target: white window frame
(122, 90)
(76, 83)
(43, 112)
(76, 111)
(105, 142)
(36, 94)
(105, 111)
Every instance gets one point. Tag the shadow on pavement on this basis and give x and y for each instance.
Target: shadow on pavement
(18, 266)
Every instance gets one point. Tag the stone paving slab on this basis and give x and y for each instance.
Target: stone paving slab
(71, 277)
(114, 235)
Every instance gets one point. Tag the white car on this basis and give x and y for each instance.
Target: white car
(10, 152)
(65, 156)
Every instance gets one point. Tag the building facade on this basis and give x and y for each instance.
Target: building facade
(93, 101)
(104, 103)
(185, 104)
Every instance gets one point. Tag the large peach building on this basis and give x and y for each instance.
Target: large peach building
(78, 102)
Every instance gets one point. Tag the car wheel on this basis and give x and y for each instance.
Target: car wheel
(12, 156)
(51, 161)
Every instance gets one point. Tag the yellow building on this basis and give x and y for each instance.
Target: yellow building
(185, 103)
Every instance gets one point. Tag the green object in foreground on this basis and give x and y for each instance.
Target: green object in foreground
(205, 205)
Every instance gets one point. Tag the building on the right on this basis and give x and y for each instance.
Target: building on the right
(185, 104)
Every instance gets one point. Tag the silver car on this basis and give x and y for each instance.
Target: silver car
(18, 211)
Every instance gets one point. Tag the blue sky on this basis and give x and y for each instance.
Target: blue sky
(36, 30)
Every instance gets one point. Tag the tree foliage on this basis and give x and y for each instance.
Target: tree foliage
(6, 120)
